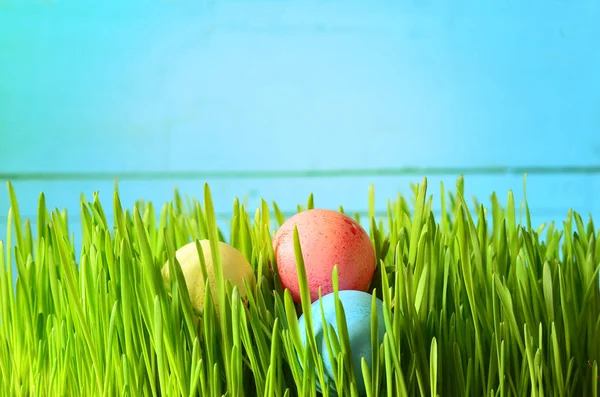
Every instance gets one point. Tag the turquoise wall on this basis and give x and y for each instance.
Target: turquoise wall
(277, 99)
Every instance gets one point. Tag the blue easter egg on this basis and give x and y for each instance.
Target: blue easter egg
(357, 307)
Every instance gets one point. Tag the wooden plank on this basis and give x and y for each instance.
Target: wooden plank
(546, 193)
(297, 85)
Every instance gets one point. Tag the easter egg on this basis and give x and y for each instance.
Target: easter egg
(357, 308)
(327, 238)
(235, 266)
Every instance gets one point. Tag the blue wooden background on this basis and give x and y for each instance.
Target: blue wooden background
(278, 99)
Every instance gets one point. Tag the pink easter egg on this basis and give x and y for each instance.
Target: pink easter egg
(327, 238)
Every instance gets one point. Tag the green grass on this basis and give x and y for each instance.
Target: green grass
(479, 302)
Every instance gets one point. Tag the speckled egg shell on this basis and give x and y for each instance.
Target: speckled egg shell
(357, 307)
(327, 238)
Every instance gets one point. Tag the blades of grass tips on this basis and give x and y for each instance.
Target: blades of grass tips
(69, 267)
(434, 367)
(219, 280)
(417, 222)
(311, 202)
(373, 377)
(179, 280)
(306, 307)
(343, 335)
(14, 206)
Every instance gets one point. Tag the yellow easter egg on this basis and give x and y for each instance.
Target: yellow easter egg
(236, 269)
